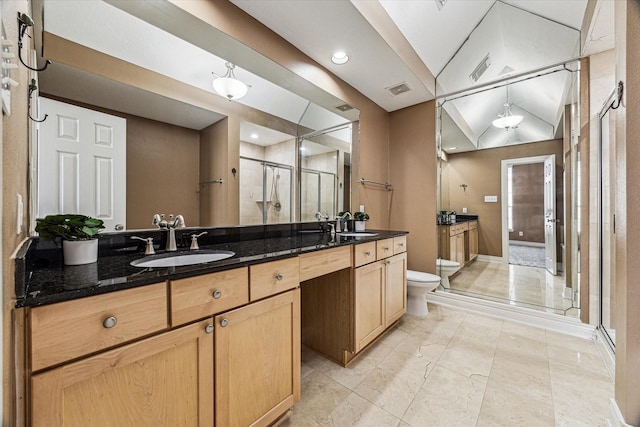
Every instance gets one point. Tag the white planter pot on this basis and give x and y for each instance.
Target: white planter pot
(360, 225)
(77, 252)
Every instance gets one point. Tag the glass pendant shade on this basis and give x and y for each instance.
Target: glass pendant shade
(228, 86)
(507, 120)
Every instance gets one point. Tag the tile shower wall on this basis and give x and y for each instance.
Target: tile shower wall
(252, 185)
(324, 183)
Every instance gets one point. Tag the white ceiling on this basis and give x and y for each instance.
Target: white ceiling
(389, 41)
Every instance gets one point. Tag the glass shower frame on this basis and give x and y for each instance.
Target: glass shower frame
(265, 196)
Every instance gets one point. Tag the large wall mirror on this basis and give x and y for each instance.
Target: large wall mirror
(508, 153)
(188, 150)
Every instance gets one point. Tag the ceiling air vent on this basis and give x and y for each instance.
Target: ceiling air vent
(344, 107)
(398, 89)
(480, 69)
(440, 4)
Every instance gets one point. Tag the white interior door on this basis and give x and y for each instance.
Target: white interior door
(82, 163)
(551, 263)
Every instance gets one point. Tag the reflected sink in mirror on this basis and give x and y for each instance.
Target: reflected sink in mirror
(181, 259)
(358, 234)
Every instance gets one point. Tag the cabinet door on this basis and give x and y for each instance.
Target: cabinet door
(257, 361)
(473, 244)
(460, 248)
(166, 380)
(369, 303)
(395, 288)
(453, 248)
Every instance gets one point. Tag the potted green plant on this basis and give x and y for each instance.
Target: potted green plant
(360, 218)
(79, 235)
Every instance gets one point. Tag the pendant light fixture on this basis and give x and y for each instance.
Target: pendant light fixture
(228, 85)
(507, 119)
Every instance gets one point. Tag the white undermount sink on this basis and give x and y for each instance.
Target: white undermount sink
(181, 259)
(357, 234)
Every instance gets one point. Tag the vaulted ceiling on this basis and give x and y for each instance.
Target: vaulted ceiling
(433, 47)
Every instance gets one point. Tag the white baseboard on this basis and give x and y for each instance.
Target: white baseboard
(490, 258)
(527, 316)
(615, 418)
(525, 243)
(608, 357)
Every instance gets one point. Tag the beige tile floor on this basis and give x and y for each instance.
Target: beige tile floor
(454, 368)
(530, 287)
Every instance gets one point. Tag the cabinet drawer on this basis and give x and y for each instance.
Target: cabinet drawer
(384, 248)
(323, 262)
(399, 245)
(273, 277)
(453, 230)
(473, 225)
(197, 297)
(67, 330)
(463, 227)
(364, 253)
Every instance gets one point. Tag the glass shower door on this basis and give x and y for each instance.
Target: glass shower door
(606, 222)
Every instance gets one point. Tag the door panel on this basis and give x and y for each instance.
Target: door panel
(551, 263)
(81, 163)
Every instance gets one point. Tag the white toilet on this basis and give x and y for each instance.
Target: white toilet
(446, 267)
(418, 284)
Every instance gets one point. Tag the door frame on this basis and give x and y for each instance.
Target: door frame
(505, 163)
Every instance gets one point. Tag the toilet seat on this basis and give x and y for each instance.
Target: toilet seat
(447, 263)
(421, 277)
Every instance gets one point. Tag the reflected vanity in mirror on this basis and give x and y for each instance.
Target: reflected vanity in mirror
(507, 152)
(188, 150)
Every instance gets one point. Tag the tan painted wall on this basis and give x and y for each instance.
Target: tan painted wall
(219, 152)
(481, 171)
(15, 152)
(162, 172)
(627, 384)
(528, 203)
(412, 160)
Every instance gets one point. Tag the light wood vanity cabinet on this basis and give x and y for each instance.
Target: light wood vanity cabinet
(380, 292)
(458, 242)
(257, 361)
(218, 349)
(166, 380)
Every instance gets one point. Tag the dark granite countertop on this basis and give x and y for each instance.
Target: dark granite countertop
(42, 278)
(461, 219)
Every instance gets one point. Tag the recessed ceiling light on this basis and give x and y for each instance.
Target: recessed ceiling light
(340, 57)
(453, 148)
(254, 136)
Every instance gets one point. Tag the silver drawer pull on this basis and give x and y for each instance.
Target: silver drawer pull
(109, 322)
(279, 276)
(368, 253)
(224, 322)
(387, 262)
(217, 294)
(401, 245)
(208, 329)
(386, 249)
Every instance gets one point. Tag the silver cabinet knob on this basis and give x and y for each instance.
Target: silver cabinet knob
(368, 253)
(208, 329)
(386, 249)
(224, 322)
(279, 276)
(119, 227)
(109, 322)
(217, 294)
(387, 262)
(401, 245)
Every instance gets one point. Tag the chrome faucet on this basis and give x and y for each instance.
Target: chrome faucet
(149, 241)
(321, 217)
(178, 222)
(194, 240)
(170, 225)
(345, 216)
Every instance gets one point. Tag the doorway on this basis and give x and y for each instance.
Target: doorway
(529, 218)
